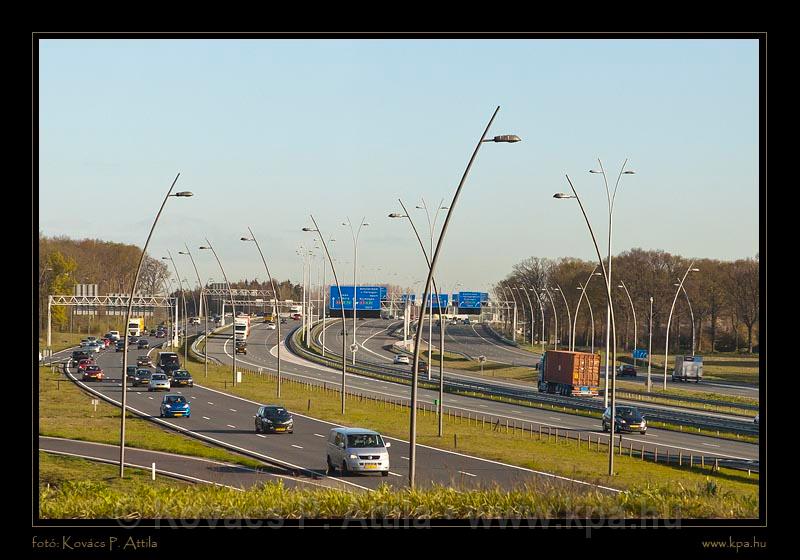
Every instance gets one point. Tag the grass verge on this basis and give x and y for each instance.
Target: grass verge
(66, 411)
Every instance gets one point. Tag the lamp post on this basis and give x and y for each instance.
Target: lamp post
(432, 229)
(324, 294)
(613, 323)
(591, 316)
(183, 298)
(691, 313)
(439, 408)
(418, 334)
(610, 197)
(633, 310)
(577, 307)
(355, 234)
(669, 320)
(233, 307)
(275, 299)
(530, 305)
(341, 306)
(555, 318)
(541, 309)
(202, 297)
(650, 346)
(569, 315)
(514, 320)
(127, 322)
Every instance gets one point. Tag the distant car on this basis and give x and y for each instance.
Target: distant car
(144, 361)
(143, 343)
(182, 378)
(401, 359)
(78, 355)
(626, 370)
(105, 341)
(84, 363)
(194, 320)
(271, 326)
(175, 405)
(158, 382)
(466, 321)
(241, 347)
(85, 343)
(95, 347)
(423, 367)
(142, 377)
(627, 419)
(274, 418)
(283, 321)
(296, 316)
(131, 373)
(133, 339)
(161, 334)
(91, 338)
(93, 373)
(119, 346)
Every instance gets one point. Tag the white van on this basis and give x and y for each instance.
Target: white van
(357, 450)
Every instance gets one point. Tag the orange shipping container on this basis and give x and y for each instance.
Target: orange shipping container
(579, 369)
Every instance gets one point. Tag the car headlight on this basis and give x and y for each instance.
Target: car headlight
(167, 406)
(352, 456)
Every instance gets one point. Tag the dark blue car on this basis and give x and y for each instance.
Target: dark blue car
(175, 405)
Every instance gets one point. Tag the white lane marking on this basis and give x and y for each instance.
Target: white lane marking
(521, 352)
(467, 473)
(297, 446)
(261, 435)
(483, 406)
(230, 425)
(319, 435)
(406, 458)
(206, 418)
(710, 444)
(232, 409)
(151, 398)
(395, 474)
(209, 402)
(192, 397)
(554, 418)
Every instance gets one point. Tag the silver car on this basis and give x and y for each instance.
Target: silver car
(401, 359)
(357, 450)
(158, 382)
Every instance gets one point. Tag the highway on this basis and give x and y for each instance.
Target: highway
(228, 421)
(261, 353)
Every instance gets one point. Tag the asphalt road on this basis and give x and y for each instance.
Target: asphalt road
(225, 419)
(261, 353)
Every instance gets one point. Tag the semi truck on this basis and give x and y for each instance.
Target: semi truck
(135, 326)
(688, 368)
(241, 328)
(567, 373)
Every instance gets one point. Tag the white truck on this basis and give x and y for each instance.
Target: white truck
(135, 326)
(241, 328)
(688, 368)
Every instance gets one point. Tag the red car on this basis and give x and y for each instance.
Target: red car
(296, 316)
(86, 362)
(93, 373)
(106, 341)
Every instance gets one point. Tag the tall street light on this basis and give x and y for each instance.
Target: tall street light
(233, 307)
(315, 229)
(425, 295)
(669, 320)
(530, 305)
(613, 323)
(577, 307)
(691, 313)
(355, 234)
(555, 318)
(203, 296)
(127, 322)
(183, 298)
(591, 317)
(275, 299)
(633, 310)
(514, 321)
(432, 229)
(610, 197)
(442, 321)
(541, 309)
(569, 315)
(324, 305)
(650, 346)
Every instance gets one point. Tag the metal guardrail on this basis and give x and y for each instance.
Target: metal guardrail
(522, 395)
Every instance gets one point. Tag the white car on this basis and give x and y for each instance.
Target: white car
(194, 320)
(401, 359)
(158, 382)
(85, 343)
(271, 326)
(93, 347)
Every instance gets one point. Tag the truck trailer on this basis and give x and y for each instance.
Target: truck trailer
(241, 328)
(569, 373)
(688, 368)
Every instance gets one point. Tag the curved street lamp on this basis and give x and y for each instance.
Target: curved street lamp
(569, 316)
(669, 320)
(578, 307)
(691, 313)
(432, 229)
(633, 309)
(127, 322)
(275, 299)
(418, 334)
(355, 234)
(203, 297)
(315, 229)
(233, 307)
(555, 317)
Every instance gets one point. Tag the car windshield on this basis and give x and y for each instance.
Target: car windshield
(172, 399)
(181, 374)
(143, 373)
(628, 412)
(159, 377)
(364, 440)
(276, 413)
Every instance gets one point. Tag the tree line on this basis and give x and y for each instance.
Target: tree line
(724, 298)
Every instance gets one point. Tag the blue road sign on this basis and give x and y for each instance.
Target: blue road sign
(469, 300)
(369, 298)
(434, 304)
(640, 353)
(410, 297)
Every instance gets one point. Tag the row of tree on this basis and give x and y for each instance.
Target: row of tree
(724, 297)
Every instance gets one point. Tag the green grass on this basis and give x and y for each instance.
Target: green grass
(56, 470)
(490, 369)
(672, 392)
(61, 341)
(518, 448)
(77, 489)
(65, 411)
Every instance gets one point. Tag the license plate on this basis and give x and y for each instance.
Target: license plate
(584, 389)
(280, 429)
(371, 466)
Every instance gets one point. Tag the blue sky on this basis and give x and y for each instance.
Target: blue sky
(265, 132)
